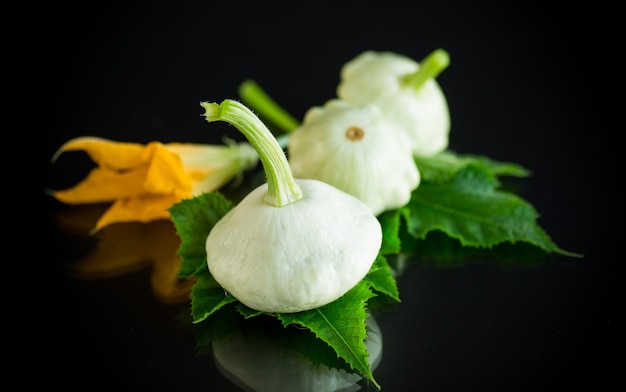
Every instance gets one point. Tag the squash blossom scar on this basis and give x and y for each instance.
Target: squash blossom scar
(355, 133)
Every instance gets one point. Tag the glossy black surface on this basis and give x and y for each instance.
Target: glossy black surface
(527, 84)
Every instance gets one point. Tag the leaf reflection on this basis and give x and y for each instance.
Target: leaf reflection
(259, 354)
(122, 248)
(438, 250)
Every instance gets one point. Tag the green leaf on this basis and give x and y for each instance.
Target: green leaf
(381, 279)
(443, 167)
(194, 219)
(469, 209)
(207, 296)
(310, 346)
(223, 322)
(390, 224)
(247, 312)
(267, 337)
(341, 324)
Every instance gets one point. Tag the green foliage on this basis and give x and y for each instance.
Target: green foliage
(470, 209)
(341, 324)
(390, 223)
(207, 296)
(381, 280)
(442, 167)
(222, 324)
(194, 219)
(460, 213)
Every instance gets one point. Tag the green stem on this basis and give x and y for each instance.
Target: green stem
(281, 187)
(430, 68)
(258, 100)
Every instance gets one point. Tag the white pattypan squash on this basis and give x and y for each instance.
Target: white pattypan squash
(290, 245)
(357, 149)
(384, 79)
(296, 257)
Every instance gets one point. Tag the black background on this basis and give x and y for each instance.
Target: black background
(529, 83)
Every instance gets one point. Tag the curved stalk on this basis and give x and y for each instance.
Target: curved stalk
(282, 189)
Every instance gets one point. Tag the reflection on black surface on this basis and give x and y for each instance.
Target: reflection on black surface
(439, 250)
(260, 355)
(123, 248)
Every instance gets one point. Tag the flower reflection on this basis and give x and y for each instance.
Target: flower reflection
(144, 181)
(262, 359)
(122, 248)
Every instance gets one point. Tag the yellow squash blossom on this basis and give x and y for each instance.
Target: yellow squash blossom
(144, 181)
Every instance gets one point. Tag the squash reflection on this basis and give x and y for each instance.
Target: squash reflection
(259, 360)
(123, 248)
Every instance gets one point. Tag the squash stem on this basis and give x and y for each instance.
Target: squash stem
(430, 68)
(282, 189)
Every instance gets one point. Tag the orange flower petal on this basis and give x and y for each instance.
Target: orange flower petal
(107, 153)
(104, 186)
(210, 167)
(166, 174)
(144, 208)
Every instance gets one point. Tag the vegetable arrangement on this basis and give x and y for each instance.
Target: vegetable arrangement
(384, 141)
(367, 180)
